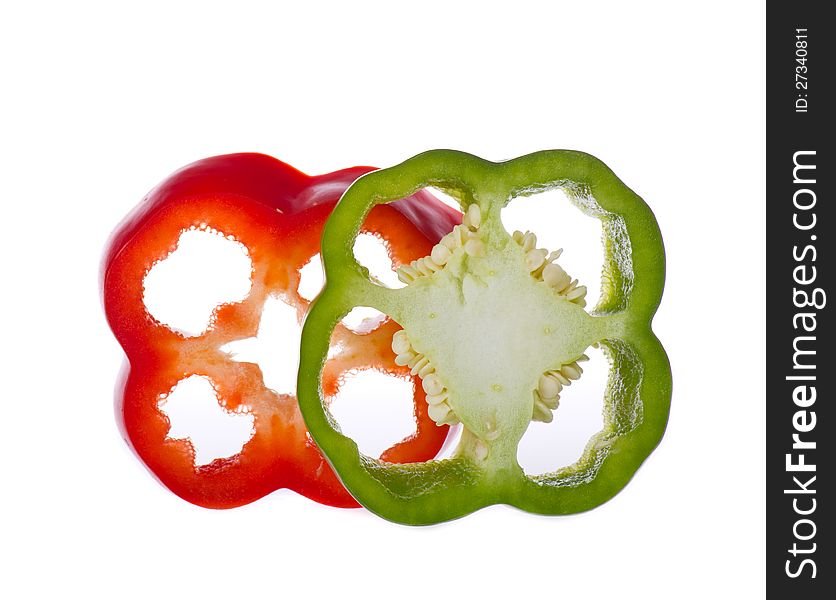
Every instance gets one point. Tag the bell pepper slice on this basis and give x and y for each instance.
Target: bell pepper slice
(496, 328)
(277, 213)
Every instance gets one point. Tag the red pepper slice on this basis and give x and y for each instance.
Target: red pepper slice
(277, 213)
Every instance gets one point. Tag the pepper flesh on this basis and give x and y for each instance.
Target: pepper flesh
(277, 213)
(491, 331)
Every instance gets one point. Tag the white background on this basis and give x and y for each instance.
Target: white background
(99, 102)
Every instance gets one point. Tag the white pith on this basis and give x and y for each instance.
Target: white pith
(509, 304)
(438, 409)
(549, 386)
(542, 266)
(464, 236)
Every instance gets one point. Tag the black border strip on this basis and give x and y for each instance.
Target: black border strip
(800, 224)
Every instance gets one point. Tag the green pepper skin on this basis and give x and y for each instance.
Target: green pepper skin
(639, 391)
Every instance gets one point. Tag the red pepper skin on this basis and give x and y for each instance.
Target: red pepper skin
(278, 213)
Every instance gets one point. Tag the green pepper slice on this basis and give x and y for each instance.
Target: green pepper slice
(496, 328)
